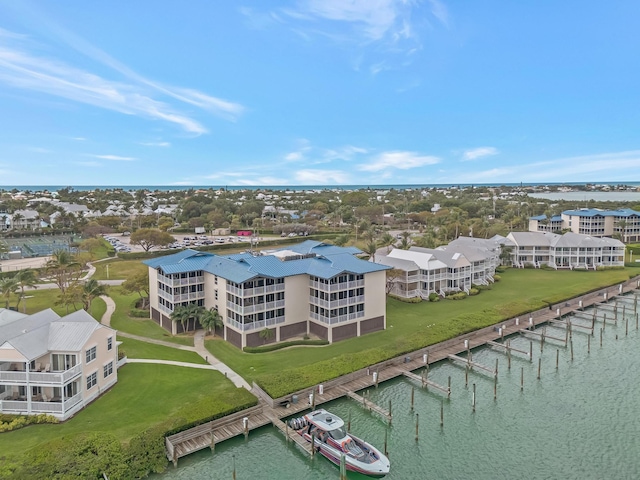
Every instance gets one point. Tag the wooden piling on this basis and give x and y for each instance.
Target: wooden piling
(413, 393)
(571, 348)
(313, 444)
(343, 467)
(542, 335)
(626, 326)
(636, 321)
(349, 423)
(449, 387)
(385, 442)
(417, 424)
(530, 350)
(495, 388)
(539, 366)
(557, 357)
(390, 416)
(234, 467)
(286, 432)
(521, 378)
(589, 344)
(508, 354)
(473, 398)
(442, 414)
(466, 376)
(496, 374)
(601, 337)
(604, 322)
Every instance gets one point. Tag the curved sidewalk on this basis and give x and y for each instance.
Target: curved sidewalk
(199, 348)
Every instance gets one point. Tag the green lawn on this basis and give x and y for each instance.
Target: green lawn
(412, 326)
(145, 395)
(119, 269)
(41, 299)
(137, 349)
(121, 321)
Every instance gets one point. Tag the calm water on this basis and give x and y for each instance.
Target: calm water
(578, 422)
(586, 196)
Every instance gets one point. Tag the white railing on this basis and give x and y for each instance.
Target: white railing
(41, 377)
(337, 319)
(250, 292)
(334, 287)
(176, 282)
(165, 309)
(258, 307)
(342, 302)
(255, 325)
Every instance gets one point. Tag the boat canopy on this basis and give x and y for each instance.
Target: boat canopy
(325, 420)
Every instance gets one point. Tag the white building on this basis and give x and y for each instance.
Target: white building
(309, 288)
(54, 365)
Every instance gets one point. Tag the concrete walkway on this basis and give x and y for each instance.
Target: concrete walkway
(199, 348)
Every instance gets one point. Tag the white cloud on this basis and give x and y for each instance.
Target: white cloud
(156, 144)
(479, 152)
(321, 177)
(88, 164)
(398, 159)
(116, 158)
(21, 69)
(79, 139)
(317, 155)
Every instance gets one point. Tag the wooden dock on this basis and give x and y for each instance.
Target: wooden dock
(272, 411)
(508, 348)
(473, 365)
(369, 405)
(543, 336)
(428, 383)
(291, 434)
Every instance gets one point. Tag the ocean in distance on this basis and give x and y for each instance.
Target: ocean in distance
(36, 188)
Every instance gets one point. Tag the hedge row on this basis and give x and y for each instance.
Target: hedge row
(278, 346)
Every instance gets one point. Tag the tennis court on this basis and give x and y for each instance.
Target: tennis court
(40, 246)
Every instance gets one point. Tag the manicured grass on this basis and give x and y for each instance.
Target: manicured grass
(412, 326)
(140, 326)
(41, 299)
(118, 269)
(137, 349)
(145, 395)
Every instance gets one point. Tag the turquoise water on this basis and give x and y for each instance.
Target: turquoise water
(580, 421)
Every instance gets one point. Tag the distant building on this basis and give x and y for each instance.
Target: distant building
(571, 250)
(52, 364)
(624, 223)
(308, 288)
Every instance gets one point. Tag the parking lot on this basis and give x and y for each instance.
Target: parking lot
(122, 243)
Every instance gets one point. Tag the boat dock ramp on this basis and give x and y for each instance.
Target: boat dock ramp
(273, 411)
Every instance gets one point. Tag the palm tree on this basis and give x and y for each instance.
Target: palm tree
(387, 240)
(266, 334)
(185, 313)
(91, 290)
(370, 249)
(210, 320)
(8, 286)
(25, 278)
(406, 242)
(63, 268)
(15, 218)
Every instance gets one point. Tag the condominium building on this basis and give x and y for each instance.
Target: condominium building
(451, 268)
(623, 223)
(54, 365)
(571, 250)
(308, 288)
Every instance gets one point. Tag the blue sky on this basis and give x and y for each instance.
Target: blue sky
(308, 92)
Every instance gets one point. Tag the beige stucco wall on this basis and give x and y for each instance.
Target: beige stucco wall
(375, 299)
(153, 288)
(296, 299)
(210, 288)
(609, 224)
(103, 357)
(11, 355)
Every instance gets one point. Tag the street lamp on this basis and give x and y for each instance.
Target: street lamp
(24, 305)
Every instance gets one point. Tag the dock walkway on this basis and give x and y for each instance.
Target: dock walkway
(272, 411)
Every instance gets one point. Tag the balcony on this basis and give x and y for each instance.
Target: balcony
(342, 302)
(40, 377)
(176, 282)
(181, 297)
(337, 319)
(335, 287)
(251, 292)
(258, 307)
(262, 324)
(55, 406)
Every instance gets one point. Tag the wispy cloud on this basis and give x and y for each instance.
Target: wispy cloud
(311, 154)
(134, 95)
(321, 177)
(89, 163)
(401, 160)
(475, 153)
(156, 144)
(116, 158)
(79, 139)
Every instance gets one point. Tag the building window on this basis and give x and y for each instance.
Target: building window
(108, 369)
(92, 380)
(90, 354)
(109, 343)
(216, 294)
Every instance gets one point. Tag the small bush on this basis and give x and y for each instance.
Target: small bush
(474, 291)
(9, 423)
(456, 296)
(406, 300)
(497, 278)
(434, 297)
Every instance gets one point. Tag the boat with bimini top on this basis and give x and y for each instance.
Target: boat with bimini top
(332, 440)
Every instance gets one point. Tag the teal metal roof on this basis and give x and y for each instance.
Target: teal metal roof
(594, 212)
(329, 261)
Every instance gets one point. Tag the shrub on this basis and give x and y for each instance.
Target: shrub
(474, 291)
(456, 296)
(434, 297)
(9, 423)
(278, 346)
(406, 300)
(497, 278)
